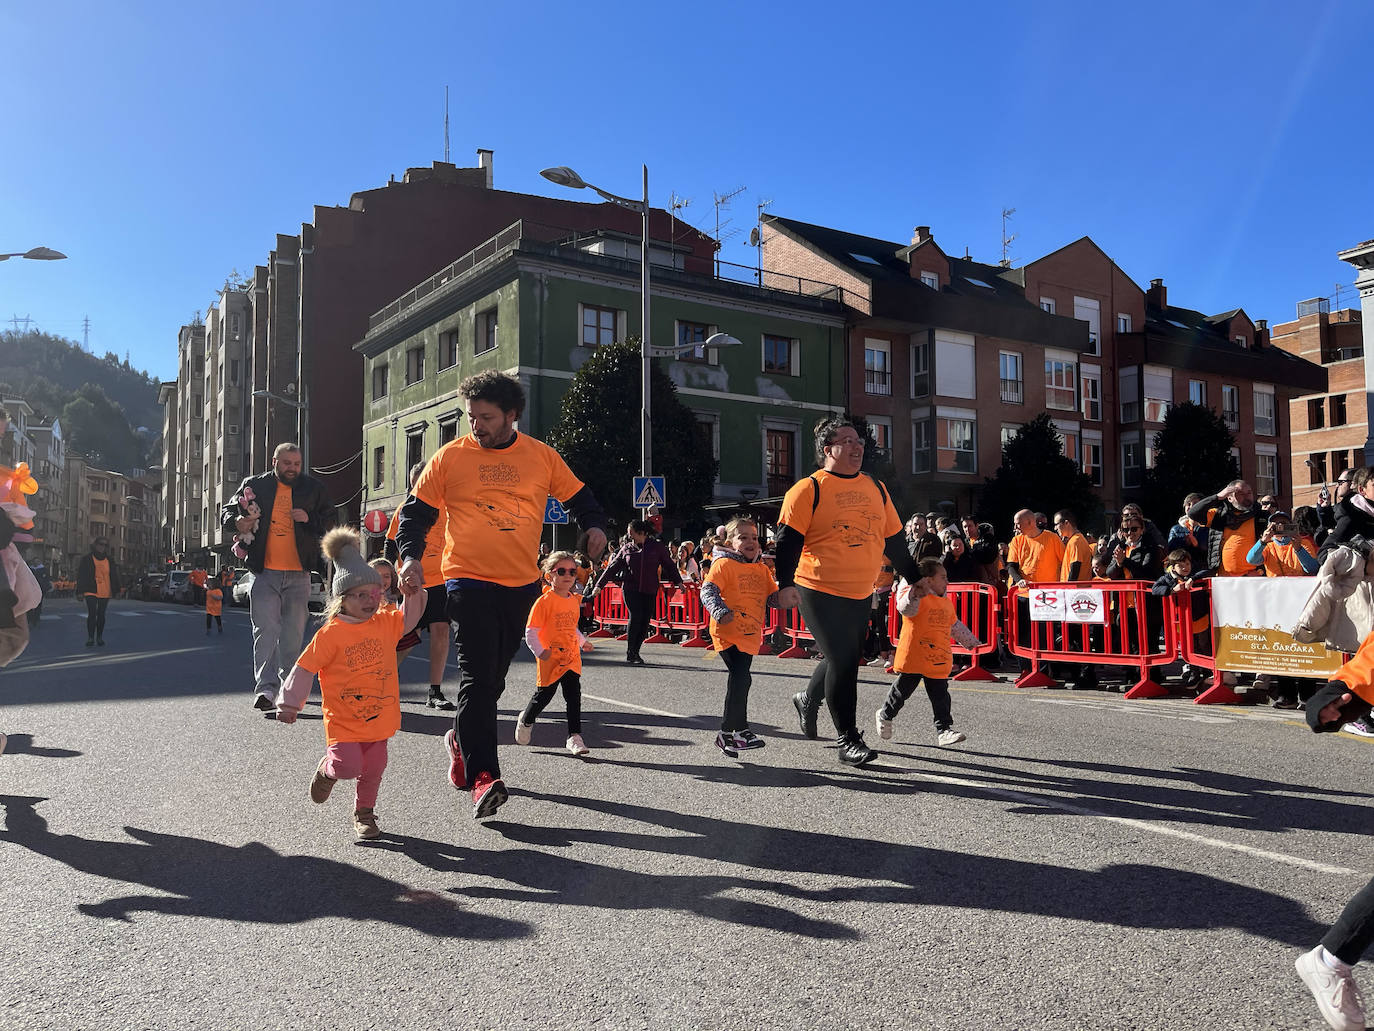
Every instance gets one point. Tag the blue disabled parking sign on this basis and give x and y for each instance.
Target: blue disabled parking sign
(555, 513)
(649, 492)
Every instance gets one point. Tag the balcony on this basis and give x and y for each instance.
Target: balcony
(877, 381)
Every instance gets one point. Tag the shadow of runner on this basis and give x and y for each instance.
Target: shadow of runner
(249, 883)
(22, 744)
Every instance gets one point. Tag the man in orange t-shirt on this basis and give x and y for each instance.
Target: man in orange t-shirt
(287, 514)
(98, 580)
(1035, 556)
(492, 486)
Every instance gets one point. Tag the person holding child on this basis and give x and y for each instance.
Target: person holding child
(354, 655)
(551, 633)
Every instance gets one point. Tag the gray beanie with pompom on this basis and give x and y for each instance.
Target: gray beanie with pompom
(343, 547)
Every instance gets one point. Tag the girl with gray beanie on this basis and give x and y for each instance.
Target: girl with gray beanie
(354, 655)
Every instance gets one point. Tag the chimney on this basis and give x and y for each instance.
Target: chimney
(1157, 295)
(484, 161)
(920, 235)
(1262, 333)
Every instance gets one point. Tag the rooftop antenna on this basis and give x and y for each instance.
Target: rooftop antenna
(446, 161)
(722, 200)
(1006, 240)
(756, 234)
(675, 204)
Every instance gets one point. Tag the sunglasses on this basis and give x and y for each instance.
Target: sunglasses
(1128, 529)
(565, 571)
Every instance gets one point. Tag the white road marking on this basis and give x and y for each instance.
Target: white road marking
(99, 659)
(632, 705)
(1144, 825)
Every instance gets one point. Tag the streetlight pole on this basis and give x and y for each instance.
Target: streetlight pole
(35, 254)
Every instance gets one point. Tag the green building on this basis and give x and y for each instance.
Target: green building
(534, 302)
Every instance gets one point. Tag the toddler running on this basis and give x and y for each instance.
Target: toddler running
(923, 650)
(214, 605)
(354, 653)
(551, 633)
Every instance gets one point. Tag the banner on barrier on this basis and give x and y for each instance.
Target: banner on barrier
(1252, 617)
(1067, 605)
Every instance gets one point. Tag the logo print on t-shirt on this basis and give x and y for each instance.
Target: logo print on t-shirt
(854, 530)
(502, 509)
(501, 472)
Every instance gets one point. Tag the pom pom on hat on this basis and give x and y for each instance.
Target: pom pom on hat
(343, 547)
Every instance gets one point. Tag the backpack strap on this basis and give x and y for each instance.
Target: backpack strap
(815, 493)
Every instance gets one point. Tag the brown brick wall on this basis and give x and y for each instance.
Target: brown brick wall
(780, 253)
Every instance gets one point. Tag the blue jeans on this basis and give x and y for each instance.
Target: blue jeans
(279, 602)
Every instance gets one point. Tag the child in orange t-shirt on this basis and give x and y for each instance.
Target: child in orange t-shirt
(354, 654)
(214, 605)
(736, 593)
(551, 633)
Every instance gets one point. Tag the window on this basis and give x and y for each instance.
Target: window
(1266, 473)
(1061, 381)
(234, 365)
(1316, 414)
(1235, 457)
(1091, 384)
(1316, 466)
(1068, 438)
(1086, 309)
(708, 430)
(1129, 393)
(692, 333)
(1337, 402)
(598, 326)
(448, 349)
(880, 431)
(415, 450)
(1265, 423)
(448, 429)
(1132, 460)
(1047, 304)
(954, 364)
(920, 445)
(781, 445)
(1009, 376)
(234, 325)
(1242, 342)
(877, 366)
(1123, 323)
(1009, 431)
(956, 439)
(1092, 456)
(378, 467)
(1340, 462)
(1159, 392)
(920, 369)
(196, 408)
(1230, 406)
(485, 327)
(379, 380)
(415, 365)
(780, 356)
(232, 429)
(931, 280)
(1197, 392)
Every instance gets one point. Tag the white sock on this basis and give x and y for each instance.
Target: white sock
(1335, 964)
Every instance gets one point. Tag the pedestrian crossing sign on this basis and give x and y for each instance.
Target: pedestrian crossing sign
(649, 492)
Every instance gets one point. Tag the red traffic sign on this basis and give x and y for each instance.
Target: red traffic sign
(376, 521)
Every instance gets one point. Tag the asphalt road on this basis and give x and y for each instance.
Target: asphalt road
(1081, 862)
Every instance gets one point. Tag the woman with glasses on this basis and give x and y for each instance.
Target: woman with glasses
(551, 634)
(1133, 558)
(1354, 515)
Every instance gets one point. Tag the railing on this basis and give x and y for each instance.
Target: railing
(779, 281)
(877, 381)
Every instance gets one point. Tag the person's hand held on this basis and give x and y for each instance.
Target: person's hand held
(300, 515)
(412, 573)
(587, 646)
(788, 598)
(1332, 713)
(596, 543)
(287, 716)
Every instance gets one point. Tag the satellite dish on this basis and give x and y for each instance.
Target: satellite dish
(754, 237)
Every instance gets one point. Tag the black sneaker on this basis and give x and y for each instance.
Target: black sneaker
(853, 751)
(634, 660)
(100, 641)
(728, 742)
(90, 642)
(748, 739)
(805, 715)
(438, 701)
(263, 703)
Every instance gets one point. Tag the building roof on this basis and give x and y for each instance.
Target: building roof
(1186, 339)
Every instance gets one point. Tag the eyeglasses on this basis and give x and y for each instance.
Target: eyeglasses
(1266, 502)
(362, 593)
(1133, 528)
(565, 571)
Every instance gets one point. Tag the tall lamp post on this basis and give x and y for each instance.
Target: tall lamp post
(35, 254)
(300, 406)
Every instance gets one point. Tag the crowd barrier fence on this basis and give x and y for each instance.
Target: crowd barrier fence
(976, 606)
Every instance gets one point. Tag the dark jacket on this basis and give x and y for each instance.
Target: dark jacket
(1218, 524)
(85, 576)
(925, 546)
(1350, 522)
(306, 493)
(640, 569)
(962, 570)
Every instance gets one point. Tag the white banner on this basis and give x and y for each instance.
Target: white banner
(1067, 605)
(1252, 618)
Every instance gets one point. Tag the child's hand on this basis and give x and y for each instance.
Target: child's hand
(1179, 587)
(587, 645)
(1332, 713)
(286, 715)
(545, 654)
(920, 588)
(729, 617)
(408, 588)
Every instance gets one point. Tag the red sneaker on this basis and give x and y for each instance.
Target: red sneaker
(488, 795)
(457, 776)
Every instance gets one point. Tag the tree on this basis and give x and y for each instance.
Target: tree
(1035, 474)
(1192, 453)
(598, 435)
(97, 428)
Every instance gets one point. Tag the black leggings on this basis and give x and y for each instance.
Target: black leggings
(95, 615)
(1353, 931)
(219, 621)
(839, 626)
(641, 608)
(737, 689)
(572, 701)
(936, 690)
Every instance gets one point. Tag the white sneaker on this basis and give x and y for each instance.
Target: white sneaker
(1338, 996)
(522, 731)
(3, 739)
(949, 737)
(576, 745)
(884, 726)
(879, 661)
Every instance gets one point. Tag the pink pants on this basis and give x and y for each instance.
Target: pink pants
(360, 760)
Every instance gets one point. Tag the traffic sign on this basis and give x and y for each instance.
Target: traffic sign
(649, 492)
(555, 513)
(376, 521)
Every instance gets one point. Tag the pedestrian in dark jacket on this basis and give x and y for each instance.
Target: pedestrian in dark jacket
(97, 579)
(638, 567)
(1235, 523)
(1354, 515)
(920, 541)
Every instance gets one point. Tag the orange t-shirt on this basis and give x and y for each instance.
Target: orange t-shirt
(845, 531)
(924, 646)
(1040, 557)
(494, 499)
(359, 688)
(281, 553)
(556, 619)
(1282, 559)
(102, 578)
(214, 599)
(1076, 549)
(1358, 673)
(433, 560)
(744, 587)
(1235, 545)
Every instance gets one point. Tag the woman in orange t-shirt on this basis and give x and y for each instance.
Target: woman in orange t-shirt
(214, 605)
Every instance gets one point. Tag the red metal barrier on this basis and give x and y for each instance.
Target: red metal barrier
(1124, 640)
(795, 628)
(680, 609)
(975, 605)
(610, 612)
(1219, 693)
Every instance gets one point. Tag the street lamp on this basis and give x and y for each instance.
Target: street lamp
(35, 254)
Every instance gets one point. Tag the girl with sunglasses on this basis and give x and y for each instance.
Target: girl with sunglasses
(551, 633)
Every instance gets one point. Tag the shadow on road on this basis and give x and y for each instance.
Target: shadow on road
(22, 744)
(249, 883)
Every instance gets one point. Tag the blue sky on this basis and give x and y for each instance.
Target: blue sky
(1221, 146)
